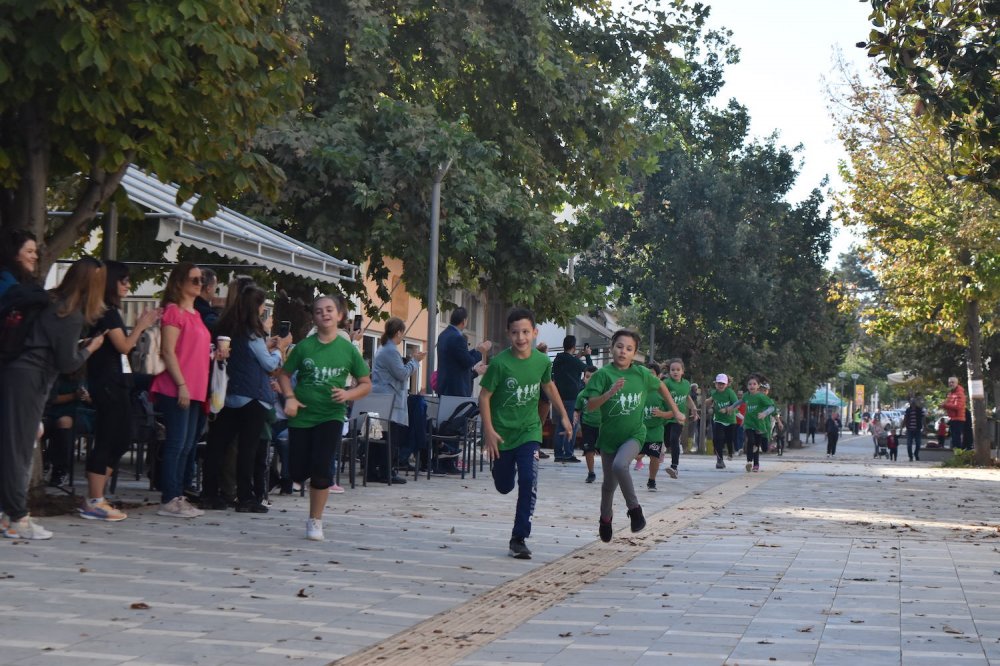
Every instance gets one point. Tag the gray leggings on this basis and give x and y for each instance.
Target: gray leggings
(617, 472)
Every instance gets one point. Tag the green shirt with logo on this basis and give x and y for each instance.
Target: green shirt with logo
(721, 400)
(591, 418)
(622, 416)
(654, 424)
(321, 367)
(757, 403)
(679, 391)
(515, 384)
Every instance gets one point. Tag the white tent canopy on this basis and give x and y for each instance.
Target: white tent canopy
(231, 234)
(903, 377)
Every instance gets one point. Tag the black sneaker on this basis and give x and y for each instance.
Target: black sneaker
(518, 550)
(591, 477)
(604, 529)
(638, 522)
(573, 459)
(253, 506)
(212, 503)
(651, 484)
(542, 454)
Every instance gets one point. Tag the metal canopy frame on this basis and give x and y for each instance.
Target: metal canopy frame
(230, 233)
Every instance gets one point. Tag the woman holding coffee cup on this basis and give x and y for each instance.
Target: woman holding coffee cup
(180, 391)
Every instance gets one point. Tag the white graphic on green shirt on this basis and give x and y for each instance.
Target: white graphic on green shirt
(318, 375)
(519, 396)
(625, 403)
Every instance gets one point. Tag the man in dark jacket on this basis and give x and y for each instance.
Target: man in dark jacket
(567, 373)
(913, 421)
(455, 362)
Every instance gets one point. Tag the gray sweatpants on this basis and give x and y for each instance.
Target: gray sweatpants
(617, 472)
(23, 394)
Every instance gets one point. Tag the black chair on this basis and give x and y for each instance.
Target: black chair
(445, 445)
(357, 441)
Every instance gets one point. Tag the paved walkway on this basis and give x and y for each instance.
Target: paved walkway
(811, 561)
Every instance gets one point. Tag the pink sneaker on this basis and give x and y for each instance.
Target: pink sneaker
(335, 489)
(639, 464)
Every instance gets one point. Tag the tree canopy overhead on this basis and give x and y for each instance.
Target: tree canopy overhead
(526, 99)
(179, 87)
(947, 55)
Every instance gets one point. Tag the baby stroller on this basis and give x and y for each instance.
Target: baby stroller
(882, 445)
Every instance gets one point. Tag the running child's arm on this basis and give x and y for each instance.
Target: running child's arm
(292, 404)
(356, 392)
(598, 400)
(693, 407)
(553, 394)
(490, 436)
(665, 392)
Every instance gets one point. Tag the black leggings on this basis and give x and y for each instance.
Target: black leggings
(246, 424)
(723, 437)
(311, 452)
(674, 441)
(113, 430)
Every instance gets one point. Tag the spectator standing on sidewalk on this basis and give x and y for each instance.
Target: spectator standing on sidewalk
(832, 433)
(811, 432)
(455, 361)
(567, 368)
(512, 430)
(913, 421)
(954, 407)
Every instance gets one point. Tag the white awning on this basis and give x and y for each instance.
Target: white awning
(231, 234)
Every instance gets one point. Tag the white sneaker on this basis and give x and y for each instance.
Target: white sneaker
(178, 508)
(26, 528)
(314, 529)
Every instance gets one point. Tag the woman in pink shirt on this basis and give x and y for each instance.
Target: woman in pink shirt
(180, 391)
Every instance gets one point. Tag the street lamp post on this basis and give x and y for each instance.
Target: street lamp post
(854, 397)
(843, 379)
(432, 280)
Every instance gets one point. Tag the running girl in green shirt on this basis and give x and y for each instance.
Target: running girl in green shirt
(680, 389)
(723, 399)
(619, 391)
(757, 423)
(512, 430)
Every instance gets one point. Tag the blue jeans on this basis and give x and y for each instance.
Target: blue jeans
(565, 442)
(191, 466)
(913, 444)
(181, 432)
(522, 464)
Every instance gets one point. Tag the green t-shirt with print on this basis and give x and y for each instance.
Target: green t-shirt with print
(722, 399)
(757, 403)
(515, 384)
(622, 416)
(591, 418)
(654, 424)
(679, 391)
(322, 367)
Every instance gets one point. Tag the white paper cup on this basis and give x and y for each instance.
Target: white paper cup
(223, 342)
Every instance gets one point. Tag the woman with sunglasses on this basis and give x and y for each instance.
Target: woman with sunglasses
(52, 347)
(110, 380)
(180, 391)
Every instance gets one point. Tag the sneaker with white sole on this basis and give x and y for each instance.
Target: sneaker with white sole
(671, 472)
(179, 507)
(720, 464)
(190, 510)
(639, 465)
(335, 489)
(101, 510)
(749, 466)
(26, 528)
(314, 529)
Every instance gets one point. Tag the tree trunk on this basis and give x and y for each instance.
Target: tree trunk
(976, 390)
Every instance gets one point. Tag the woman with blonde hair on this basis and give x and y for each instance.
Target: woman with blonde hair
(52, 347)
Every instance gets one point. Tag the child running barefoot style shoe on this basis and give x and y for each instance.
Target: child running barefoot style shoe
(757, 422)
(317, 407)
(619, 391)
(512, 430)
(590, 426)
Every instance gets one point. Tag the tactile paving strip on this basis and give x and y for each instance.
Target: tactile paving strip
(453, 634)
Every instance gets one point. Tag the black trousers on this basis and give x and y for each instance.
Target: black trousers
(246, 424)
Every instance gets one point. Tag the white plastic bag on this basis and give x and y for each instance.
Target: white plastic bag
(217, 387)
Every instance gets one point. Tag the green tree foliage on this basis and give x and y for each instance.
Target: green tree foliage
(947, 55)
(179, 87)
(524, 98)
(934, 241)
(729, 272)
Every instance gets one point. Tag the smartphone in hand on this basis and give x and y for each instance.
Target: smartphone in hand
(284, 328)
(357, 322)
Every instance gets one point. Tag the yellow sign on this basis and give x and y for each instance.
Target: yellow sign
(859, 396)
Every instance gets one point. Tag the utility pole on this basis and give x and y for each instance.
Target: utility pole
(432, 280)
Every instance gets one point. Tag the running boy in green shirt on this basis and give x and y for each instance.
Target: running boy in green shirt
(619, 392)
(508, 406)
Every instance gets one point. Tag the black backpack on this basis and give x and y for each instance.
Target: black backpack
(19, 309)
(457, 424)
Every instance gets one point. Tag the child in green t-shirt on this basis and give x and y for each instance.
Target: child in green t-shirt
(725, 403)
(654, 416)
(680, 389)
(512, 430)
(619, 391)
(317, 407)
(757, 422)
(589, 424)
